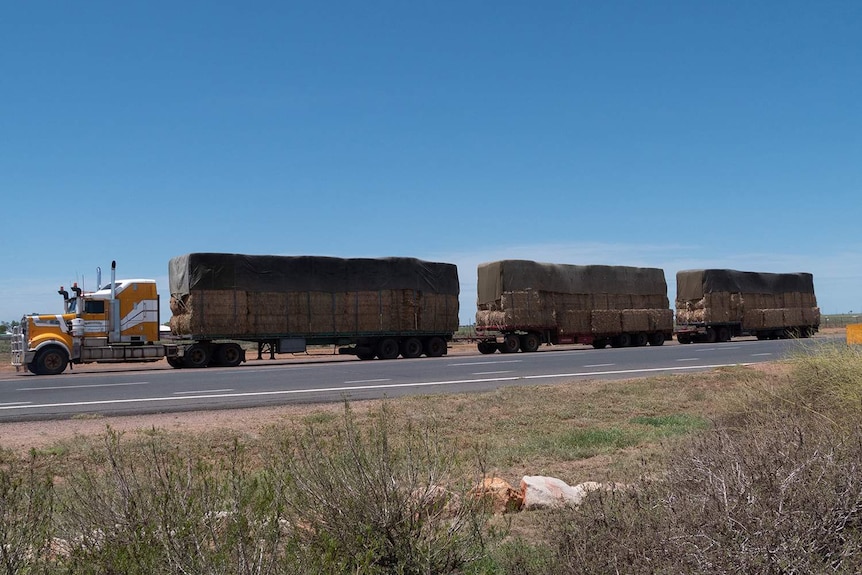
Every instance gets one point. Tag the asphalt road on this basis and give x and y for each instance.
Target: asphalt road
(115, 392)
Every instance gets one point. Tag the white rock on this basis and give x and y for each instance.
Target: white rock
(549, 492)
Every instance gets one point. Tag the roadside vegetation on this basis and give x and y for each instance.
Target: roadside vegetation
(739, 470)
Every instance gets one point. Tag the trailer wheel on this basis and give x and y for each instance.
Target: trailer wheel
(230, 354)
(723, 334)
(365, 355)
(197, 355)
(387, 348)
(435, 347)
(600, 343)
(640, 339)
(622, 340)
(511, 343)
(411, 347)
(683, 338)
(51, 361)
(486, 347)
(530, 342)
(656, 339)
(175, 362)
(711, 335)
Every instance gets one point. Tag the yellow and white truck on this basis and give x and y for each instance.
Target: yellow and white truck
(116, 323)
(371, 308)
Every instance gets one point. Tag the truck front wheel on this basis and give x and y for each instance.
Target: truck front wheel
(51, 361)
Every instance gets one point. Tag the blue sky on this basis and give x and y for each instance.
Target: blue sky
(671, 134)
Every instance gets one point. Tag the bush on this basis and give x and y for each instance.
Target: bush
(375, 502)
(776, 489)
(26, 502)
(148, 508)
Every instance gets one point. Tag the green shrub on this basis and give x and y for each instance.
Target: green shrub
(376, 502)
(149, 508)
(780, 494)
(26, 504)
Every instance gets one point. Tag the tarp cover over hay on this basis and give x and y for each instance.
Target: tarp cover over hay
(592, 299)
(757, 300)
(257, 296)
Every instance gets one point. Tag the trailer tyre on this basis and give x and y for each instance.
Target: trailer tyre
(600, 343)
(435, 347)
(411, 347)
(197, 355)
(683, 338)
(640, 339)
(530, 342)
(175, 362)
(656, 339)
(230, 354)
(723, 334)
(622, 340)
(387, 348)
(511, 343)
(51, 361)
(486, 347)
(711, 335)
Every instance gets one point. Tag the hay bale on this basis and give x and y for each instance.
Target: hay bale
(620, 301)
(753, 319)
(605, 322)
(599, 301)
(490, 319)
(634, 320)
(267, 312)
(661, 319)
(574, 321)
(793, 316)
(810, 315)
(773, 318)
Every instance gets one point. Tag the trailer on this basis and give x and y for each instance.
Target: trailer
(372, 308)
(715, 305)
(523, 304)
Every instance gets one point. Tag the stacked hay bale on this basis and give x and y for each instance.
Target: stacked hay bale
(573, 300)
(759, 301)
(238, 296)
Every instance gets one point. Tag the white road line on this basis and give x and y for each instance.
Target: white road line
(600, 365)
(203, 391)
(346, 388)
(366, 381)
(759, 354)
(13, 403)
(490, 372)
(689, 359)
(84, 386)
(484, 363)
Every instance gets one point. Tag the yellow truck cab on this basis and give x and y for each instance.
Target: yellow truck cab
(118, 322)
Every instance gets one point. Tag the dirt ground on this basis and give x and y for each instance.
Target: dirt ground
(23, 436)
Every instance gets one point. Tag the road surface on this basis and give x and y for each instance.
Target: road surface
(259, 383)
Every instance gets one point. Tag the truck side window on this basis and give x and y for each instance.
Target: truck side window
(94, 306)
